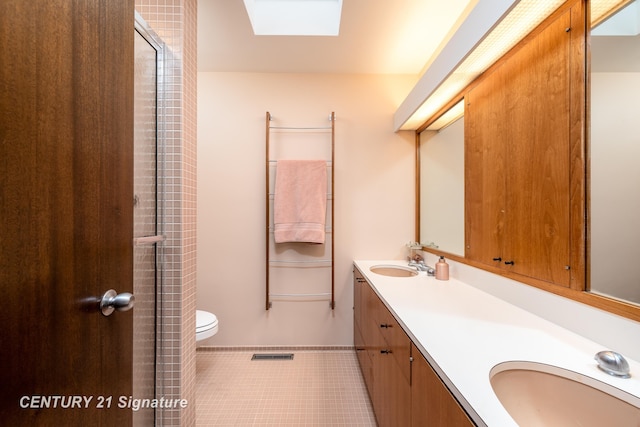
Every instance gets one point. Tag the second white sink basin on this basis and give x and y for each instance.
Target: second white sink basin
(536, 394)
(393, 270)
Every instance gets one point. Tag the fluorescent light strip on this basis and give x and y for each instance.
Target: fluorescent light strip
(452, 114)
(602, 9)
(524, 17)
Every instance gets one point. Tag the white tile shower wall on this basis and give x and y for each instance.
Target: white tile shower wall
(175, 22)
(189, 209)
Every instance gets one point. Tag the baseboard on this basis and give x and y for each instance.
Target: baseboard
(277, 348)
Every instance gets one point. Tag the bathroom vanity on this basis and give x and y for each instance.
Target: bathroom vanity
(396, 374)
(428, 350)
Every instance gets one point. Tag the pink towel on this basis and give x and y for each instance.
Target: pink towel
(300, 201)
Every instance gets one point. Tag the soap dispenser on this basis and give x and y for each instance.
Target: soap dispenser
(442, 269)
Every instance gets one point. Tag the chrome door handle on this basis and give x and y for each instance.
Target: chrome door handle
(111, 300)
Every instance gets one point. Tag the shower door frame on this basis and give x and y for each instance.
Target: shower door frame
(146, 32)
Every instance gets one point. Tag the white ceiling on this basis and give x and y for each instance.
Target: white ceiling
(376, 37)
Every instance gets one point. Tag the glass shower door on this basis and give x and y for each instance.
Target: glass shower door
(147, 220)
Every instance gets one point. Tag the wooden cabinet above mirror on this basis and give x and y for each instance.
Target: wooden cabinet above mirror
(518, 145)
(527, 154)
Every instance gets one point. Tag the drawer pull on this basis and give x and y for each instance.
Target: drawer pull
(385, 325)
(385, 351)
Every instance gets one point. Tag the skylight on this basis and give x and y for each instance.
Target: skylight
(294, 17)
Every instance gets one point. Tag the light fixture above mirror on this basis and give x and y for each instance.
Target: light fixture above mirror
(489, 31)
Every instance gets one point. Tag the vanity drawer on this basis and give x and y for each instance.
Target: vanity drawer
(372, 320)
(398, 342)
(364, 359)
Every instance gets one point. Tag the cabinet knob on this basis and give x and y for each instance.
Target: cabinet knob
(509, 263)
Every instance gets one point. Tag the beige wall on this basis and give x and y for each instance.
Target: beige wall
(374, 196)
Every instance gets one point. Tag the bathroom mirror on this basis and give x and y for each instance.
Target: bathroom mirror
(614, 175)
(606, 255)
(441, 183)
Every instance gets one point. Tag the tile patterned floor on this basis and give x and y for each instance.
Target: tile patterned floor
(316, 388)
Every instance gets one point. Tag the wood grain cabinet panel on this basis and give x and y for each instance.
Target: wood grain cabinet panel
(431, 402)
(398, 343)
(358, 283)
(383, 350)
(518, 147)
(402, 392)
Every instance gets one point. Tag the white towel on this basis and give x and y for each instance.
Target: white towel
(300, 201)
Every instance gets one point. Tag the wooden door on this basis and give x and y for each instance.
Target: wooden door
(66, 210)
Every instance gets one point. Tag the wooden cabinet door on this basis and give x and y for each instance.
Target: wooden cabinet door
(380, 377)
(431, 402)
(394, 394)
(359, 316)
(380, 345)
(391, 395)
(538, 178)
(485, 172)
(399, 395)
(364, 359)
(374, 344)
(518, 149)
(358, 283)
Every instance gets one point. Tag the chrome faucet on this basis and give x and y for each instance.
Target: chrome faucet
(421, 266)
(613, 364)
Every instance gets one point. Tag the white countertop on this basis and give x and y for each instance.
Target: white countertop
(464, 332)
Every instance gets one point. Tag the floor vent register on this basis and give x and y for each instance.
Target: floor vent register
(272, 356)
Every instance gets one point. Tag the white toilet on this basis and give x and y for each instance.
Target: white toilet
(206, 325)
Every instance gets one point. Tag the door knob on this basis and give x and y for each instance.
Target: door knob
(111, 300)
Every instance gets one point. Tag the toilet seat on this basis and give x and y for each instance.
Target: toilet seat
(206, 325)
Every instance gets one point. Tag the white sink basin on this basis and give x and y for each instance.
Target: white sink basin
(536, 394)
(393, 270)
